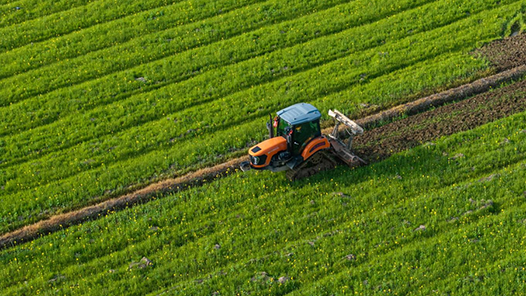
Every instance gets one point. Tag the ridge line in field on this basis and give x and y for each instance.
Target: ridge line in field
(87, 79)
(206, 101)
(157, 59)
(157, 118)
(174, 81)
(184, 139)
(150, 61)
(66, 32)
(200, 177)
(44, 15)
(115, 45)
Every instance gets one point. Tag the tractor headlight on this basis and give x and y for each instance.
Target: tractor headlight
(258, 160)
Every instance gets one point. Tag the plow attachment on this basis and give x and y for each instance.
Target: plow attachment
(339, 148)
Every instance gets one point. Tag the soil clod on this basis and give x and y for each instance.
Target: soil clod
(143, 263)
(350, 257)
(56, 278)
(420, 228)
(489, 178)
(283, 279)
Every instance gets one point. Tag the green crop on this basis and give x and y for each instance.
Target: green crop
(50, 25)
(100, 97)
(124, 95)
(17, 12)
(447, 217)
(75, 145)
(148, 48)
(116, 32)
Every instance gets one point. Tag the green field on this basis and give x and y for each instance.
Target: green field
(98, 98)
(467, 191)
(115, 95)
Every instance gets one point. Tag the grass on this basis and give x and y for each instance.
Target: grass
(443, 218)
(109, 101)
(100, 97)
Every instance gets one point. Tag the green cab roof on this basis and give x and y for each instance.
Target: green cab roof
(299, 113)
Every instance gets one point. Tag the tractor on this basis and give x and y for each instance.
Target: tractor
(296, 143)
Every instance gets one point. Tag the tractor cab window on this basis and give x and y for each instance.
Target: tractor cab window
(282, 124)
(303, 133)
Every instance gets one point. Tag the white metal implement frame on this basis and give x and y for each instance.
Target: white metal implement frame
(352, 128)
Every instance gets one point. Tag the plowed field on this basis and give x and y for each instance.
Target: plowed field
(380, 143)
(505, 53)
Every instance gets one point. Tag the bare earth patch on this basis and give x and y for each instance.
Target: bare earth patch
(506, 53)
(380, 143)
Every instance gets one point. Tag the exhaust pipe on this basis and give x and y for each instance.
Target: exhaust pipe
(270, 127)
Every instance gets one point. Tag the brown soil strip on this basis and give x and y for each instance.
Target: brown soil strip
(455, 94)
(506, 53)
(381, 142)
(373, 145)
(60, 221)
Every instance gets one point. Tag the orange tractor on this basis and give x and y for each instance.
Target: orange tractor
(296, 144)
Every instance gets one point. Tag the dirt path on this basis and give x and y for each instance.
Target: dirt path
(374, 145)
(60, 221)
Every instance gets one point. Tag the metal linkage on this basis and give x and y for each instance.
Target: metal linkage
(352, 128)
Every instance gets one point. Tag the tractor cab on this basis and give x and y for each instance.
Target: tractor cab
(294, 135)
(298, 124)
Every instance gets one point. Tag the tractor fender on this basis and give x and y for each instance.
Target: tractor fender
(314, 146)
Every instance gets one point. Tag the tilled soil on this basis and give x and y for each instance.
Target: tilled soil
(381, 142)
(506, 53)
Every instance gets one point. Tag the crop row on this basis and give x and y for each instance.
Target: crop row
(479, 241)
(238, 227)
(144, 49)
(93, 180)
(25, 10)
(195, 118)
(45, 109)
(418, 80)
(54, 25)
(109, 34)
(149, 26)
(319, 260)
(141, 50)
(189, 119)
(88, 178)
(38, 139)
